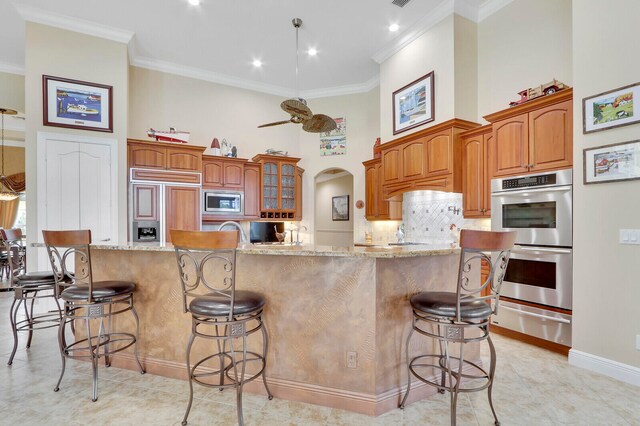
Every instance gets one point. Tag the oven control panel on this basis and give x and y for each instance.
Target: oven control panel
(529, 181)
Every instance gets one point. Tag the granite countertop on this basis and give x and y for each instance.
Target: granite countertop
(304, 250)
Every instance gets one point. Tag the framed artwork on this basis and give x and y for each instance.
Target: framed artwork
(612, 163)
(610, 109)
(414, 104)
(340, 207)
(77, 104)
(335, 141)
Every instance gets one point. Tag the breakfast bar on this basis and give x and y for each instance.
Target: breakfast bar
(337, 317)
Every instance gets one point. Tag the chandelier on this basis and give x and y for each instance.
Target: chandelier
(6, 192)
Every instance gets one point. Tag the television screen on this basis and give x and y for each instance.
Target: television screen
(265, 232)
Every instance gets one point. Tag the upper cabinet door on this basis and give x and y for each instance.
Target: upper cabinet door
(510, 146)
(233, 175)
(252, 192)
(551, 137)
(391, 166)
(439, 155)
(147, 157)
(413, 155)
(212, 174)
(473, 178)
(371, 191)
(178, 159)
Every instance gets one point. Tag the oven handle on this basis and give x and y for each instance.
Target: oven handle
(542, 249)
(525, 192)
(532, 314)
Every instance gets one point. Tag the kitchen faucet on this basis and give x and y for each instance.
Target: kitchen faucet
(243, 236)
(298, 242)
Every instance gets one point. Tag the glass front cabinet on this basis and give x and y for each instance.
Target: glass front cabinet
(281, 195)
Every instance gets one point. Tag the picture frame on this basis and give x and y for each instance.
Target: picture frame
(614, 108)
(611, 163)
(414, 104)
(76, 104)
(340, 208)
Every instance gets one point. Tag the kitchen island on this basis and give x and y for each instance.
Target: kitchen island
(322, 302)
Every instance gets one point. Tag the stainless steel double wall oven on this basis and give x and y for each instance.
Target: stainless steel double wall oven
(540, 208)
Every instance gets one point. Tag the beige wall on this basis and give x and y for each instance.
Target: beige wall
(432, 51)
(327, 231)
(524, 44)
(12, 91)
(208, 110)
(361, 112)
(61, 53)
(606, 289)
(465, 68)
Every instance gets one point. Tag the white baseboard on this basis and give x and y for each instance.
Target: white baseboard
(617, 370)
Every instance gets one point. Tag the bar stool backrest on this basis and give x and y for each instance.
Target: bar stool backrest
(12, 244)
(207, 258)
(66, 248)
(477, 247)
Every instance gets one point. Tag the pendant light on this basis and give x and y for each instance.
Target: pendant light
(9, 194)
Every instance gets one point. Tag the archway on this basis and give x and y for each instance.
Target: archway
(333, 200)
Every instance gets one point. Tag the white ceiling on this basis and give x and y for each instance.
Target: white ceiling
(218, 40)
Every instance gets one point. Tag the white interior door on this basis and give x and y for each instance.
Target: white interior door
(77, 187)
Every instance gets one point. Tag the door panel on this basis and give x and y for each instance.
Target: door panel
(233, 175)
(510, 146)
(148, 157)
(183, 209)
(62, 185)
(412, 160)
(551, 137)
(439, 159)
(212, 174)
(391, 166)
(472, 176)
(95, 191)
(252, 192)
(178, 159)
(145, 202)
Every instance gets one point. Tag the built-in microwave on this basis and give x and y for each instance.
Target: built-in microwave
(223, 202)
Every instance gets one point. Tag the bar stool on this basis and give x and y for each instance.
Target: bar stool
(88, 300)
(27, 288)
(219, 312)
(461, 317)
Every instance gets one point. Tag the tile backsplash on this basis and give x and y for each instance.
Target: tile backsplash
(427, 216)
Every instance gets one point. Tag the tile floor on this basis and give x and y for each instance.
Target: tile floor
(532, 387)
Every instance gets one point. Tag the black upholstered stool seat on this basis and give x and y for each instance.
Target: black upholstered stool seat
(34, 279)
(442, 304)
(101, 290)
(215, 305)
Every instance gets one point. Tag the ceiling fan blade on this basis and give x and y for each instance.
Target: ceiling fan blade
(277, 123)
(297, 108)
(319, 123)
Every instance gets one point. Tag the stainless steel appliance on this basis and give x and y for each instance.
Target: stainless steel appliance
(223, 202)
(146, 231)
(539, 207)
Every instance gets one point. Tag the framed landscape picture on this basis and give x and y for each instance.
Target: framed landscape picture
(77, 104)
(414, 104)
(612, 163)
(611, 109)
(340, 207)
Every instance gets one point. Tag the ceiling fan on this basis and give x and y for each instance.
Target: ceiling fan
(297, 107)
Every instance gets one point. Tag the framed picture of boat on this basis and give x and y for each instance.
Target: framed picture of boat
(77, 104)
(414, 104)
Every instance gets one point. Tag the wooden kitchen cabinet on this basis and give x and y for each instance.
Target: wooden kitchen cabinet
(476, 181)
(145, 202)
(223, 172)
(182, 209)
(164, 156)
(281, 187)
(533, 137)
(377, 205)
(251, 191)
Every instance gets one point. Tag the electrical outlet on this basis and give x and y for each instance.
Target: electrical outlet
(352, 359)
(638, 342)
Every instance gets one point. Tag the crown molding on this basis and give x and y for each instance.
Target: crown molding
(11, 68)
(210, 76)
(39, 16)
(350, 89)
(490, 7)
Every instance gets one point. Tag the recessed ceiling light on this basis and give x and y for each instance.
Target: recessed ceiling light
(257, 63)
(312, 52)
(394, 27)
(194, 2)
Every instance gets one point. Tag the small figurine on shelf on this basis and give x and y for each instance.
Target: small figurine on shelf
(215, 145)
(234, 152)
(377, 152)
(400, 234)
(224, 148)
